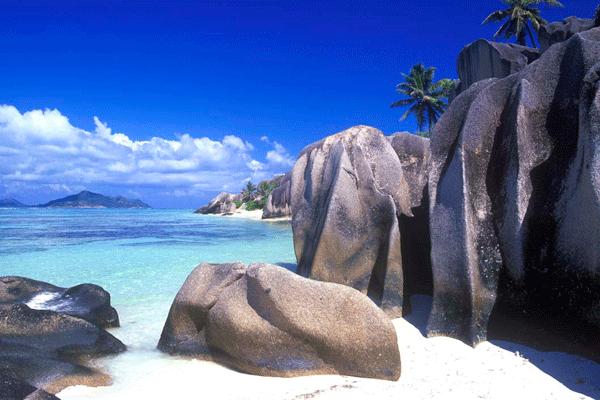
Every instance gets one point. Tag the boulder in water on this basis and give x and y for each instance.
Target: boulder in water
(46, 331)
(87, 301)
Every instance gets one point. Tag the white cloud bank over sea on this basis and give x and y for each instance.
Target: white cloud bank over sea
(42, 154)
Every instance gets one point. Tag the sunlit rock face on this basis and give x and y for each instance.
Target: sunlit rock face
(485, 59)
(348, 192)
(223, 203)
(515, 196)
(265, 320)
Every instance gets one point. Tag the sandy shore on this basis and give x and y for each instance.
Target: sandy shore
(255, 215)
(435, 368)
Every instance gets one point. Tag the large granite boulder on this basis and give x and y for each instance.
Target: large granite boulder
(86, 301)
(485, 59)
(348, 192)
(223, 203)
(52, 332)
(278, 202)
(46, 332)
(514, 195)
(556, 32)
(267, 320)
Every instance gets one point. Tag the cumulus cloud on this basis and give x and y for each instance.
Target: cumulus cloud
(42, 149)
(279, 155)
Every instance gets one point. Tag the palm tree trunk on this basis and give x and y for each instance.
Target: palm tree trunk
(522, 39)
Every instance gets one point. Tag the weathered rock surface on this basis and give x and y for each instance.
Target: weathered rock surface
(53, 332)
(86, 301)
(266, 320)
(14, 389)
(348, 192)
(556, 32)
(223, 203)
(515, 197)
(40, 348)
(485, 59)
(278, 202)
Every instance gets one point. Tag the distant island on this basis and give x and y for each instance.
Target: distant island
(11, 203)
(84, 199)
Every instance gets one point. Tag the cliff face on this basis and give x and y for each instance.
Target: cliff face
(505, 202)
(348, 192)
(484, 59)
(515, 197)
(560, 31)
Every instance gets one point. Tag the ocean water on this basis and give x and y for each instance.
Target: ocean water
(141, 257)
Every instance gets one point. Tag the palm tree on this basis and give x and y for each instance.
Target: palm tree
(522, 16)
(249, 191)
(426, 98)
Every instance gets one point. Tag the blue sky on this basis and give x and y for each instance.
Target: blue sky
(275, 75)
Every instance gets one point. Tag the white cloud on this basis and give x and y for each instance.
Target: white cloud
(41, 149)
(280, 156)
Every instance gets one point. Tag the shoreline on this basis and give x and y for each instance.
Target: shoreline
(437, 367)
(254, 215)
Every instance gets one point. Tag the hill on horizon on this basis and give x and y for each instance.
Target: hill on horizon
(11, 203)
(87, 199)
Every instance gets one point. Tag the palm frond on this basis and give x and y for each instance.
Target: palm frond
(402, 103)
(496, 16)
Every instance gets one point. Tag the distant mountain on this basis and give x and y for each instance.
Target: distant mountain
(87, 199)
(11, 203)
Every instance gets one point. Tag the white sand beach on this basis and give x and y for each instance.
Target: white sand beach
(253, 215)
(434, 368)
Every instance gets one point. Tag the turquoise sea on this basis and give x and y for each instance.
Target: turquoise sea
(141, 257)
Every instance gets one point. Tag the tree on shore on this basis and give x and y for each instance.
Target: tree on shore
(249, 191)
(523, 18)
(426, 99)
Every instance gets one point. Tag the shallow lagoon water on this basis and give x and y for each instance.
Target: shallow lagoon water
(141, 257)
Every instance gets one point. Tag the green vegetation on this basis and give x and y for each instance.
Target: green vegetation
(266, 187)
(523, 18)
(255, 197)
(248, 192)
(426, 99)
(254, 205)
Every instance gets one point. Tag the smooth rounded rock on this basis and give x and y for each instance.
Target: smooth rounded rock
(269, 321)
